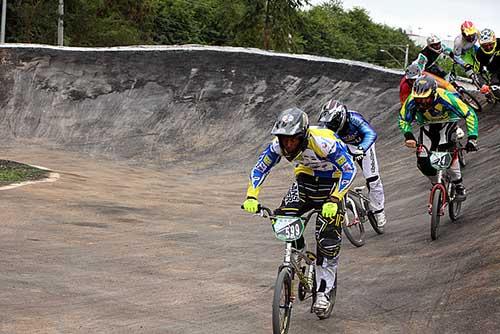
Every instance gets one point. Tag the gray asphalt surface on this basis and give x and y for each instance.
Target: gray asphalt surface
(143, 232)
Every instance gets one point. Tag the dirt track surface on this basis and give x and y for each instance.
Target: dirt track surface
(117, 246)
(113, 248)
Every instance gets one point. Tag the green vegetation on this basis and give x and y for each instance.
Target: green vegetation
(14, 172)
(281, 25)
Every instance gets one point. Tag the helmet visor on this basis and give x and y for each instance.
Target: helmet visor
(424, 102)
(435, 46)
(335, 123)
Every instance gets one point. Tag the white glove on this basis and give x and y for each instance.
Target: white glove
(358, 154)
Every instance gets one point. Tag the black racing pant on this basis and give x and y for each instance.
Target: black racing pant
(308, 193)
(442, 137)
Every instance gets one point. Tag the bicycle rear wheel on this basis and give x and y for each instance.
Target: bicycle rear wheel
(282, 304)
(461, 158)
(454, 206)
(471, 101)
(435, 217)
(353, 228)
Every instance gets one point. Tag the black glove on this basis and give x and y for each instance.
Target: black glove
(471, 145)
(358, 154)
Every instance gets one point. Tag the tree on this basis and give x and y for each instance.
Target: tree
(32, 21)
(280, 23)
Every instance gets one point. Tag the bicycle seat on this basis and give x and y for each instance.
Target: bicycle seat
(359, 189)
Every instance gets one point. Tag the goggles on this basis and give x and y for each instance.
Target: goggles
(424, 102)
(469, 38)
(488, 46)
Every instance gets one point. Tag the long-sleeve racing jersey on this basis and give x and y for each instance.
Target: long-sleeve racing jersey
(357, 131)
(465, 50)
(427, 60)
(325, 156)
(447, 108)
(490, 61)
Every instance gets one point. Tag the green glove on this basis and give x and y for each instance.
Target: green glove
(329, 210)
(251, 205)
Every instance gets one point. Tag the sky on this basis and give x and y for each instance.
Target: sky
(425, 17)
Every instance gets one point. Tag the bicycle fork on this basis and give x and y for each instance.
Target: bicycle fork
(438, 185)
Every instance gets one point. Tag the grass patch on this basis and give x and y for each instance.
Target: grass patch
(14, 172)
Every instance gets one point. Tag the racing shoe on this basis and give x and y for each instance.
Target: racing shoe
(460, 193)
(381, 220)
(322, 304)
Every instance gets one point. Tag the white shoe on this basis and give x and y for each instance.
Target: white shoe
(322, 303)
(380, 217)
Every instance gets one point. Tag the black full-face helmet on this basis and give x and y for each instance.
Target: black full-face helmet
(333, 115)
(292, 122)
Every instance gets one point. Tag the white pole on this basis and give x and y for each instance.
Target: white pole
(406, 55)
(60, 24)
(4, 16)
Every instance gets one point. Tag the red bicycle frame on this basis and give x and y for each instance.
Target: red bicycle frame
(441, 186)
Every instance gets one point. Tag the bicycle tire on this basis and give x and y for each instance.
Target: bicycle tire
(454, 206)
(283, 287)
(374, 224)
(471, 101)
(435, 217)
(356, 232)
(461, 158)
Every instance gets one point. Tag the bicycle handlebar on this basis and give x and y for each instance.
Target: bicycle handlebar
(265, 212)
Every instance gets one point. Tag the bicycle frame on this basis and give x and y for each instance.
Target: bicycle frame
(442, 183)
(288, 260)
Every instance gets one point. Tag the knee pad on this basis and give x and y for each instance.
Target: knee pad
(329, 235)
(424, 165)
(324, 224)
(424, 162)
(328, 247)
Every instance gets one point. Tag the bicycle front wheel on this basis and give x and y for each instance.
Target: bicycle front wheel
(435, 217)
(353, 228)
(471, 101)
(282, 303)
